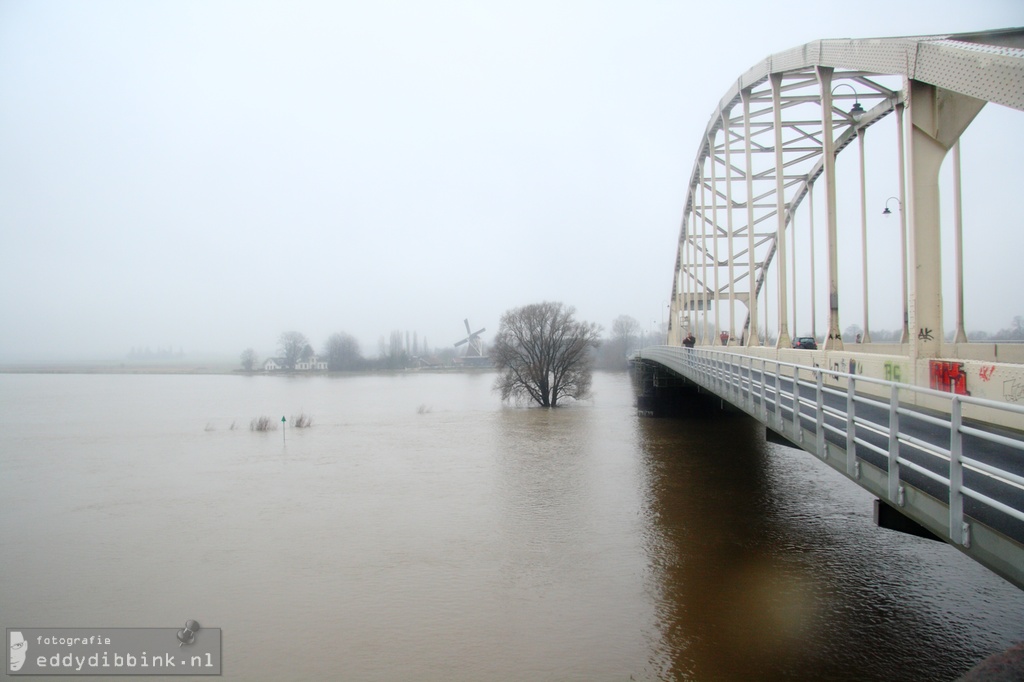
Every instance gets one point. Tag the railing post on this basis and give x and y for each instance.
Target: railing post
(956, 474)
(726, 367)
(797, 422)
(851, 427)
(764, 392)
(750, 388)
(778, 395)
(740, 388)
(747, 388)
(894, 447)
(819, 407)
(726, 379)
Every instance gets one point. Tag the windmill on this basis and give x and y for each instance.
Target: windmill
(474, 349)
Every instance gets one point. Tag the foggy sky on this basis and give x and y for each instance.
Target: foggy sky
(207, 175)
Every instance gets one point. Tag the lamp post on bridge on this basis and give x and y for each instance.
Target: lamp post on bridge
(904, 338)
(856, 113)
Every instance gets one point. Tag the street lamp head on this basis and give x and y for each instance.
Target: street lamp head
(856, 111)
(896, 199)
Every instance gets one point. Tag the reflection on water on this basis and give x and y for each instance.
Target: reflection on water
(730, 607)
(420, 530)
(768, 567)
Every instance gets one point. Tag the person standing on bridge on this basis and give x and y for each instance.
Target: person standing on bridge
(689, 340)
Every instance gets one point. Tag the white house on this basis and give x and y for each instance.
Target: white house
(274, 364)
(312, 363)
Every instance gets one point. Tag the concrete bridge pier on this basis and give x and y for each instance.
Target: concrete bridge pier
(661, 393)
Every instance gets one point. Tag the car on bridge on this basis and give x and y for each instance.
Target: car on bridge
(805, 342)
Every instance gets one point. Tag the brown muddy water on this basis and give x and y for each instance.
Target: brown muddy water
(419, 530)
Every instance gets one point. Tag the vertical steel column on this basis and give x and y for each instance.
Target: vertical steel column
(814, 284)
(938, 117)
(905, 336)
(703, 257)
(687, 298)
(727, 137)
(866, 338)
(792, 253)
(714, 227)
(677, 295)
(764, 299)
(694, 301)
(784, 340)
(749, 173)
(958, 246)
(834, 339)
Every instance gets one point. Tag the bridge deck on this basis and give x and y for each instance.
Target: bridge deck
(963, 482)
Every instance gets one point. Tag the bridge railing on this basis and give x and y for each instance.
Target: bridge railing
(952, 459)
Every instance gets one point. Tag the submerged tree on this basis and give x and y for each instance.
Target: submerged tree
(543, 354)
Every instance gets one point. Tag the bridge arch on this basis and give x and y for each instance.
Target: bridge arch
(774, 139)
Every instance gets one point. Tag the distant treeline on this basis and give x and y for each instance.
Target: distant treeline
(403, 349)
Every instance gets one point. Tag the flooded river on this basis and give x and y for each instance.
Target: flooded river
(419, 530)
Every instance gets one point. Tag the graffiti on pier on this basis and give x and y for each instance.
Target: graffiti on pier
(948, 376)
(1013, 390)
(925, 334)
(986, 372)
(893, 372)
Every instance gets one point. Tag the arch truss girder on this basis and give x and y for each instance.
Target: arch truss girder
(758, 134)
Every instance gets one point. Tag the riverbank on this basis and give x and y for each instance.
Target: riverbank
(202, 368)
(116, 368)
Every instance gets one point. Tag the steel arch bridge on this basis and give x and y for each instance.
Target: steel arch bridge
(932, 427)
(774, 139)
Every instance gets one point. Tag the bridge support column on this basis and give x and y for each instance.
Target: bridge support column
(938, 117)
(781, 209)
(834, 338)
(748, 171)
(727, 143)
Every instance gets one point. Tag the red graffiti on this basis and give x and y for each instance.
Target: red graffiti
(948, 376)
(986, 372)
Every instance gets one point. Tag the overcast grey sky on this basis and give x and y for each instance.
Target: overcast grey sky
(207, 175)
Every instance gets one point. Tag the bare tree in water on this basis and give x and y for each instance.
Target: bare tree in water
(543, 354)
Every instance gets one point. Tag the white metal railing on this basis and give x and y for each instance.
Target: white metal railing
(754, 383)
